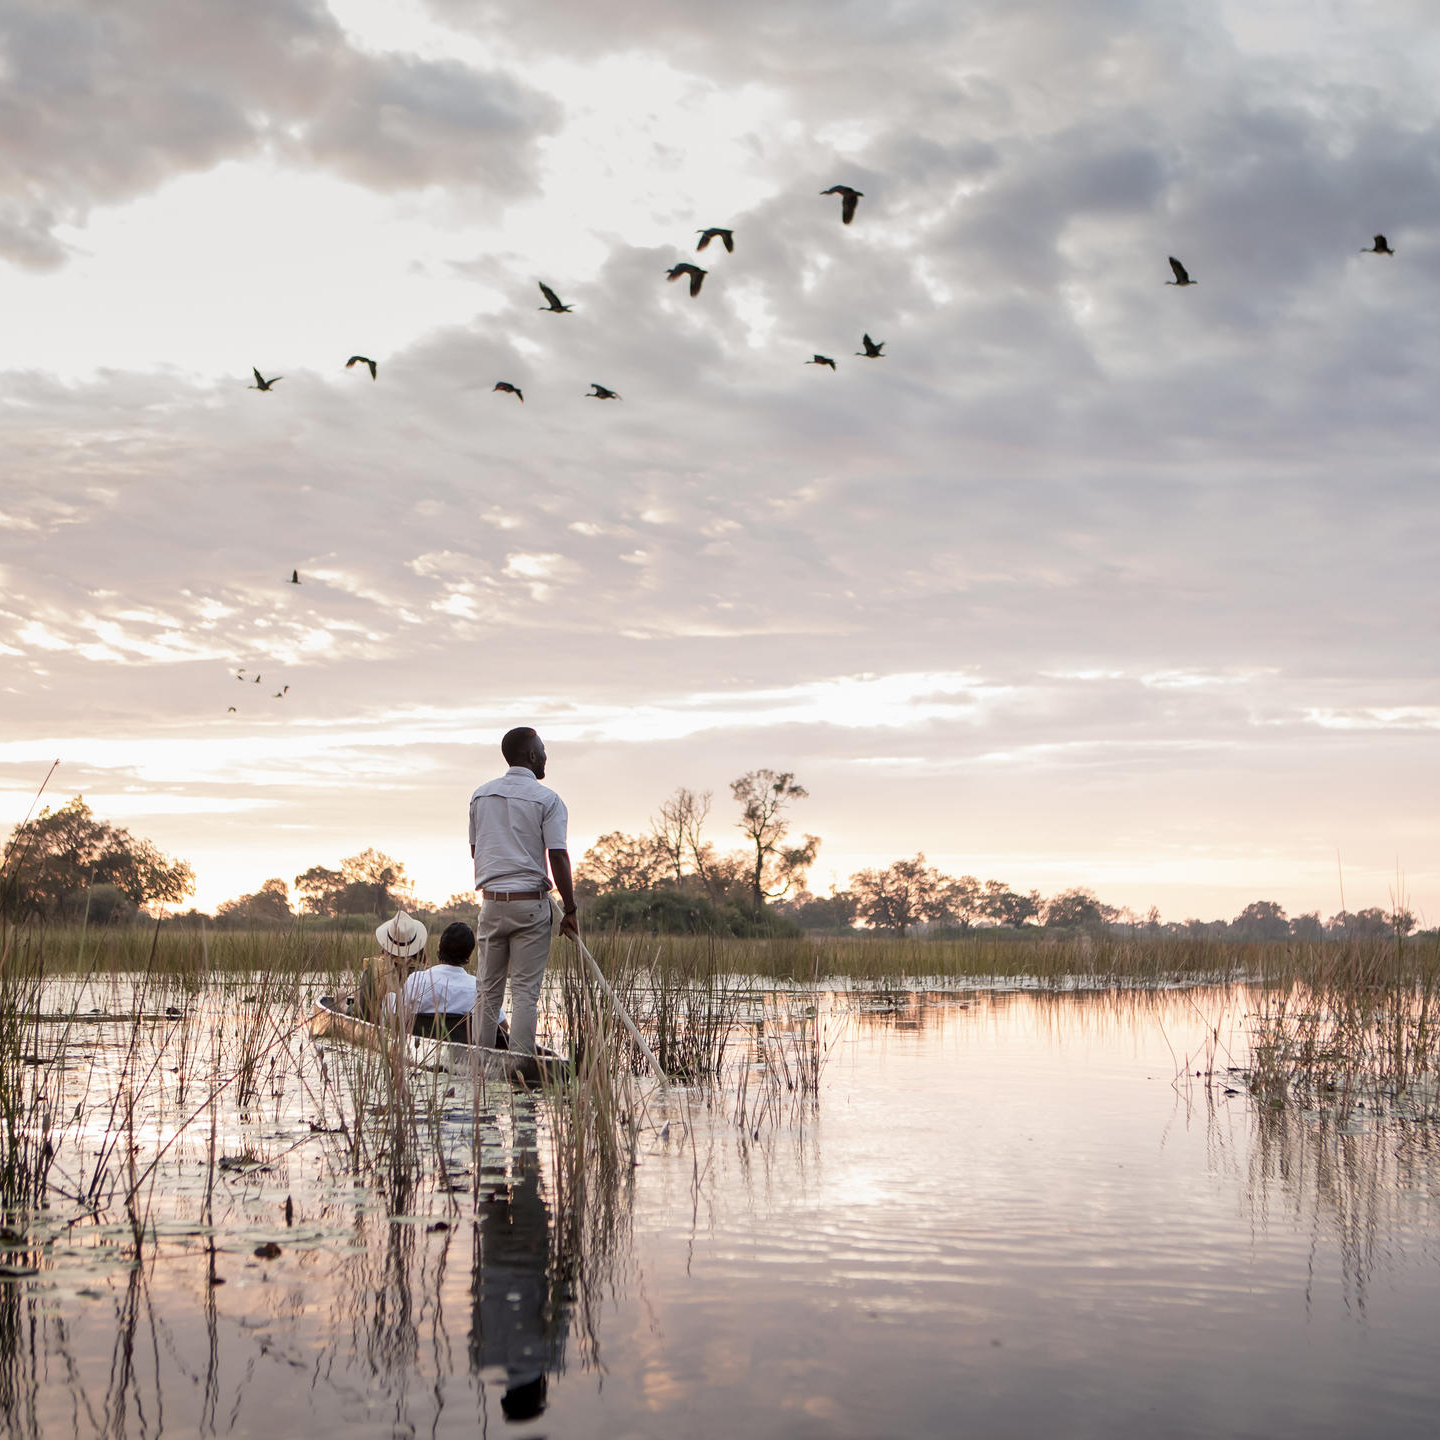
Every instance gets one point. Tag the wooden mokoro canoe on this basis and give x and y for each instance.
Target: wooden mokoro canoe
(332, 1021)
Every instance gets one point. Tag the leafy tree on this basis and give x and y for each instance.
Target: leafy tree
(370, 883)
(905, 893)
(764, 797)
(1006, 906)
(375, 884)
(1262, 920)
(56, 857)
(1077, 908)
(1372, 923)
(320, 890)
(1307, 927)
(964, 901)
(617, 861)
(268, 906)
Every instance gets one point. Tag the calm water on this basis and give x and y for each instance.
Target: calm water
(1004, 1215)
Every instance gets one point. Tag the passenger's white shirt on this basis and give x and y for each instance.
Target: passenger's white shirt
(440, 990)
(513, 821)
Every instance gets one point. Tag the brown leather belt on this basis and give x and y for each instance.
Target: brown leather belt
(513, 894)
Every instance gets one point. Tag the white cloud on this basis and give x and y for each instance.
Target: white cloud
(1081, 545)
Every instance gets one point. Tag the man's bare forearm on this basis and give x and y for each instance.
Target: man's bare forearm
(565, 884)
(564, 880)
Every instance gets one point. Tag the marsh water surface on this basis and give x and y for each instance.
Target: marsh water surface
(1002, 1214)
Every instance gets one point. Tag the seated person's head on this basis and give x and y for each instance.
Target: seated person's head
(457, 944)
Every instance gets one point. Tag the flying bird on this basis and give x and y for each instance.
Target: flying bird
(553, 301)
(294, 578)
(598, 392)
(261, 383)
(1182, 275)
(1380, 247)
(230, 710)
(280, 694)
(821, 360)
(696, 274)
(848, 199)
(240, 673)
(255, 681)
(509, 389)
(872, 348)
(727, 237)
(362, 360)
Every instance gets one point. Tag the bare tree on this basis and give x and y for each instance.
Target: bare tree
(764, 797)
(678, 829)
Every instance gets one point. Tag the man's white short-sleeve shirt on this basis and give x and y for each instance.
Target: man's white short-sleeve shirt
(513, 821)
(440, 990)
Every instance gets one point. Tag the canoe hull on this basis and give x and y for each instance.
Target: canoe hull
(331, 1021)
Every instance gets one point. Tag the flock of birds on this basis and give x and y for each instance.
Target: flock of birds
(681, 270)
(695, 275)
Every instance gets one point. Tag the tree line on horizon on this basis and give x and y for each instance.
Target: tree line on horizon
(66, 865)
(671, 878)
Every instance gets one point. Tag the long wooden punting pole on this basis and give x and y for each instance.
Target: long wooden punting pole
(620, 1010)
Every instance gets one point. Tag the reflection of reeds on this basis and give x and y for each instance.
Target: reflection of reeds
(1366, 1182)
(777, 1073)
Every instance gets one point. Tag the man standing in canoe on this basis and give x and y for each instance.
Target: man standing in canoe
(516, 824)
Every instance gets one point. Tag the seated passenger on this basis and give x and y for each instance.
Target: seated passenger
(438, 1001)
(402, 941)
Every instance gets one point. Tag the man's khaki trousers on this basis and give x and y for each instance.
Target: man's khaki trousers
(514, 942)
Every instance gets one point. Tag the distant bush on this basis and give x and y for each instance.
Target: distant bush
(672, 912)
(99, 905)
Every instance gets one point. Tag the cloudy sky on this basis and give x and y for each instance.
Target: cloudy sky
(1089, 580)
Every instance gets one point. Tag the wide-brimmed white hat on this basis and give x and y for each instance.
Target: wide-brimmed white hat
(402, 936)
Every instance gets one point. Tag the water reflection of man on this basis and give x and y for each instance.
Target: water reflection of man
(520, 1308)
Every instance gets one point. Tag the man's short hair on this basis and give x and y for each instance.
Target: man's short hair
(516, 744)
(457, 943)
